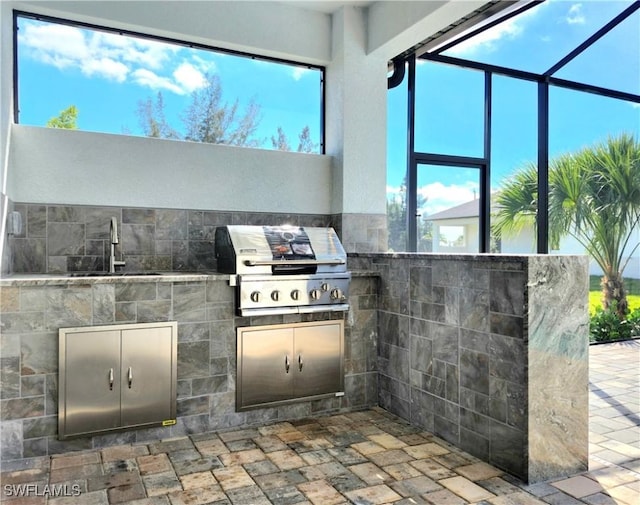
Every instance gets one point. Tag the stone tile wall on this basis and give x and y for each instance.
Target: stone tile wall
(73, 238)
(32, 315)
(362, 232)
(489, 353)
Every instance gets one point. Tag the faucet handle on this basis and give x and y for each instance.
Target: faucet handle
(114, 230)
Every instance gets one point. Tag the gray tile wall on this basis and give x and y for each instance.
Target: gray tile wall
(72, 238)
(454, 354)
(362, 232)
(32, 315)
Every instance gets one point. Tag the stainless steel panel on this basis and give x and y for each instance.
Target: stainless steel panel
(146, 376)
(94, 394)
(289, 362)
(257, 263)
(253, 255)
(326, 247)
(264, 365)
(305, 309)
(322, 285)
(318, 359)
(89, 385)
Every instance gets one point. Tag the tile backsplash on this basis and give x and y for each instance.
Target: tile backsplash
(75, 238)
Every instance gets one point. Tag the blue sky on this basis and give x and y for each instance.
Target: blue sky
(105, 75)
(449, 114)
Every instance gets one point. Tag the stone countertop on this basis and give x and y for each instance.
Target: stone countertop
(101, 278)
(497, 257)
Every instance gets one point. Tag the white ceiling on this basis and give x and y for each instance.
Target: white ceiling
(327, 6)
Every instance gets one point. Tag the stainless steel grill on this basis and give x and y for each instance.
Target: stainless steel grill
(284, 269)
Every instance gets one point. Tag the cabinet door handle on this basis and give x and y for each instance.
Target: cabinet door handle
(110, 379)
(300, 363)
(286, 364)
(130, 377)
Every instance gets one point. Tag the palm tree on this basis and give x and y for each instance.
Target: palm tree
(594, 196)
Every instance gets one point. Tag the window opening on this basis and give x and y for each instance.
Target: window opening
(113, 81)
(448, 209)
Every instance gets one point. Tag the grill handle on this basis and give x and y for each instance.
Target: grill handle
(256, 263)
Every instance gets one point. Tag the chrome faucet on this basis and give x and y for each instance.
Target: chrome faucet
(114, 240)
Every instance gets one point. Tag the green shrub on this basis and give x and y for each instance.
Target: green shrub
(605, 325)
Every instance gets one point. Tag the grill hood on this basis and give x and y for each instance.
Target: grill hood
(278, 250)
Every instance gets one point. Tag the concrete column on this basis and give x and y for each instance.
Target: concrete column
(356, 105)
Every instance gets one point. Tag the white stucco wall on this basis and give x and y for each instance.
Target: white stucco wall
(85, 168)
(524, 243)
(471, 235)
(356, 134)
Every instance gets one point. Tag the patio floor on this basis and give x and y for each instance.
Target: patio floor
(368, 457)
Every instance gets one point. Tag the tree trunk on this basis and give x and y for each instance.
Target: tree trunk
(613, 291)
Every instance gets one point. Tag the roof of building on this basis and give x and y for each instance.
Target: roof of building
(468, 209)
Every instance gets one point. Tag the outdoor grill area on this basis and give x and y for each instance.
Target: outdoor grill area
(192, 319)
(466, 348)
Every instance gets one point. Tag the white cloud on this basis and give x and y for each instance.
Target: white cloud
(205, 66)
(111, 56)
(298, 72)
(147, 78)
(148, 53)
(105, 67)
(441, 196)
(58, 45)
(188, 77)
(575, 16)
(489, 40)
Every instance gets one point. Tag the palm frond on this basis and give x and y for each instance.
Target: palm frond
(594, 196)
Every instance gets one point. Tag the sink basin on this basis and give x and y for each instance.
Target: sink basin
(86, 274)
(107, 274)
(137, 273)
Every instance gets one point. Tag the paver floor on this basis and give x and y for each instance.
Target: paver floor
(366, 458)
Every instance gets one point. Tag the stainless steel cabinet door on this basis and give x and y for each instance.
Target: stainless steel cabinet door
(91, 382)
(318, 359)
(265, 366)
(146, 375)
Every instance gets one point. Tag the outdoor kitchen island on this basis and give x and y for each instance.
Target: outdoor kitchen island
(486, 352)
(489, 352)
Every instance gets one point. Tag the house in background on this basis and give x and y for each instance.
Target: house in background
(456, 230)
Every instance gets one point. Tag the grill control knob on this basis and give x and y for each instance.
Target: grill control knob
(315, 294)
(255, 296)
(275, 295)
(295, 294)
(337, 294)
(324, 286)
